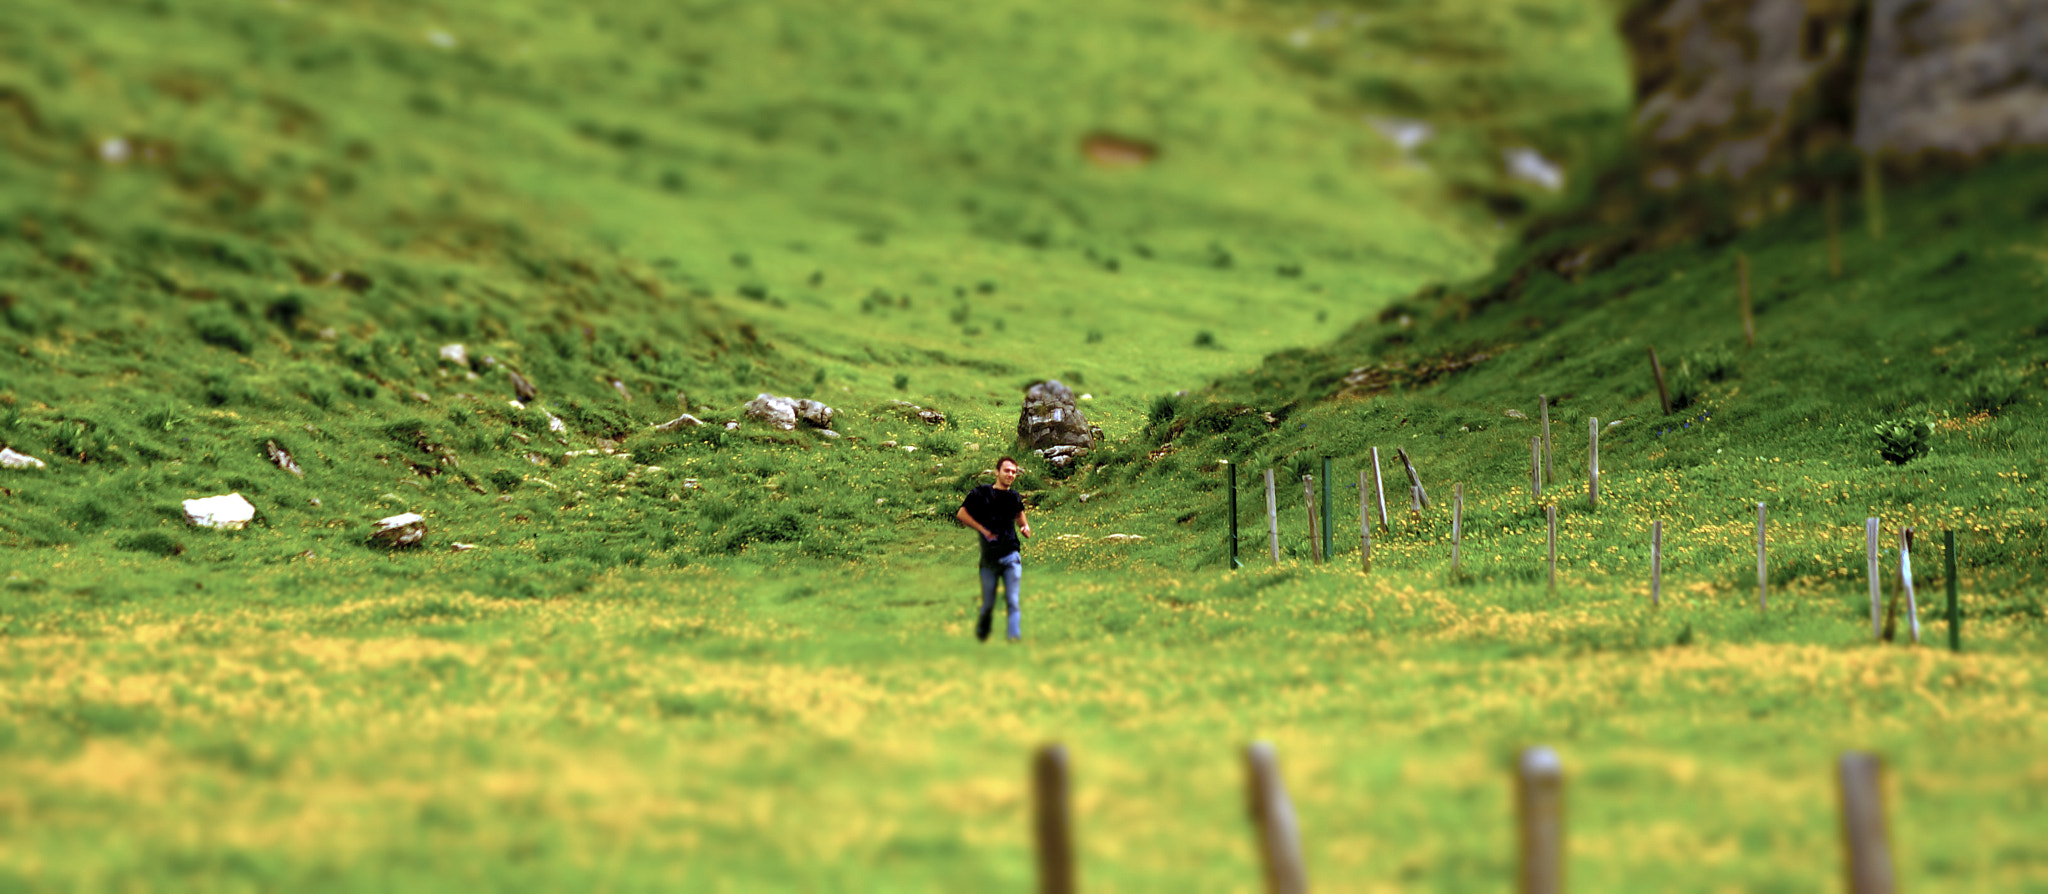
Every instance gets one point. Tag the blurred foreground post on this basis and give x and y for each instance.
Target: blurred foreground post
(1364, 526)
(1593, 462)
(1656, 561)
(1550, 513)
(1308, 499)
(1272, 518)
(1379, 487)
(1051, 819)
(1866, 848)
(1657, 371)
(1539, 808)
(1273, 821)
(1232, 552)
(1870, 526)
(1955, 617)
(1543, 406)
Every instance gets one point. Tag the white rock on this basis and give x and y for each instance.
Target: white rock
(910, 448)
(814, 414)
(1517, 414)
(114, 150)
(404, 529)
(460, 547)
(441, 38)
(679, 423)
(12, 460)
(829, 433)
(1121, 538)
(455, 354)
(1528, 164)
(1407, 134)
(228, 512)
(555, 424)
(778, 412)
(732, 426)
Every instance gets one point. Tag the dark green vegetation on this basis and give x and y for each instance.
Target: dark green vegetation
(742, 659)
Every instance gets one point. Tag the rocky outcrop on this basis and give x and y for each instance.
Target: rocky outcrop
(402, 530)
(1052, 425)
(1954, 77)
(784, 413)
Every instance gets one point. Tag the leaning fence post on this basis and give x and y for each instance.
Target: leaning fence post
(1364, 526)
(1231, 556)
(1870, 527)
(1272, 518)
(1457, 524)
(1414, 480)
(1550, 513)
(1955, 617)
(1866, 848)
(1543, 405)
(1539, 804)
(1308, 499)
(1762, 581)
(1656, 562)
(1593, 462)
(1051, 819)
(1379, 487)
(1273, 821)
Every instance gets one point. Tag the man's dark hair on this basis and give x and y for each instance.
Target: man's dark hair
(999, 463)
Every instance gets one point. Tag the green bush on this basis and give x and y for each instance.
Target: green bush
(1901, 441)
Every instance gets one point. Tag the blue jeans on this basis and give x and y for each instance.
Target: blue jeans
(1011, 568)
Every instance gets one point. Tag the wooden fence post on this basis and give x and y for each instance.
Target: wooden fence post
(1272, 518)
(1762, 582)
(1663, 393)
(1906, 580)
(1543, 405)
(1273, 821)
(1550, 513)
(1870, 528)
(1414, 480)
(1593, 462)
(1656, 562)
(1539, 803)
(1379, 487)
(1955, 617)
(1231, 556)
(1866, 847)
(1051, 820)
(1742, 284)
(1536, 470)
(1457, 524)
(1308, 499)
(1364, 526)
(1329, 551)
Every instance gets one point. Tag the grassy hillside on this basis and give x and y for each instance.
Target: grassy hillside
(742, 660)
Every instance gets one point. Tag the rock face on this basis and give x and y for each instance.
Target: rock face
(1955, 77)
(228, 512)
(784, 412)
(1727, 90)
(406, 529)
(1050, 419)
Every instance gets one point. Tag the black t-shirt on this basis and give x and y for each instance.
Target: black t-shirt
(997, 511)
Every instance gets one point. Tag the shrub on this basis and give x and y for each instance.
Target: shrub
(1900, 441)
(219, 327)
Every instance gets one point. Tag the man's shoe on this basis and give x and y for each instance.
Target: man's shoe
(982, 626)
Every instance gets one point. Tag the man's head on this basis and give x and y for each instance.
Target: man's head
(1006, 472)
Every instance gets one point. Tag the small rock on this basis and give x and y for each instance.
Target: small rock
(422, 397)
(814, 414)
(12, 460)
(523, 388)
(888, 443)
(314, 502)
(910, 448)
(826, 432)
(283, 459)
(776, 412)
(455, 354)
(555, 424)
(1122, 538)
(228, 512)
(1528, 164)
(1087, 397)
(1086, 497)
(690, 484)
(679, 423)
(624, 392)
(1062, 454)
(405, 529)
(1517, 414)
(114, 150)
(461, 547)
(931, 417)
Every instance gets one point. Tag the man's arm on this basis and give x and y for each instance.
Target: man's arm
(1023, 524)
(969, 521)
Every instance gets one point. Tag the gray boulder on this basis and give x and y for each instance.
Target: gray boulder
(1050, 418)
(778, 412)
(814, 414)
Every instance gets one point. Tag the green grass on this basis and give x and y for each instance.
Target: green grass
(741, 660)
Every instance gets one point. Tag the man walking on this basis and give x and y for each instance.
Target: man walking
(997, 512)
